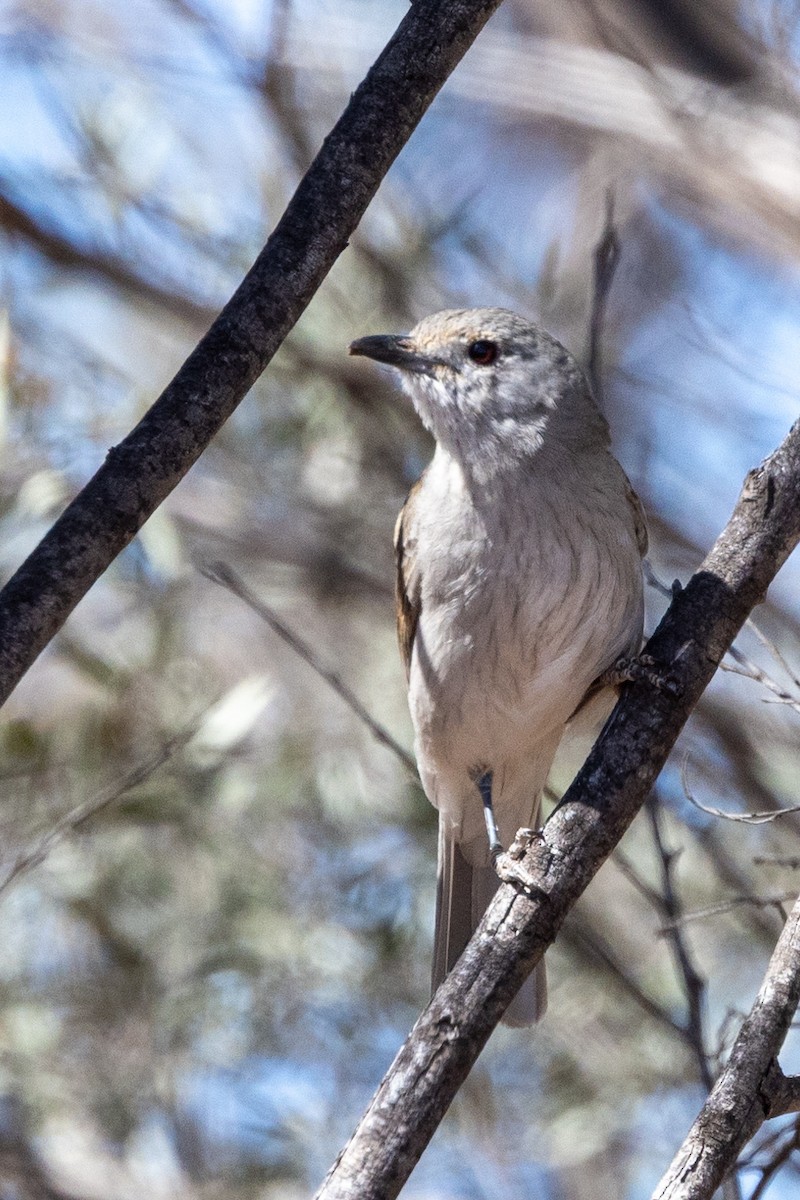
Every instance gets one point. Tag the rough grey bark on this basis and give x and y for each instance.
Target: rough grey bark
(328, 204)
(751, 1088)
(688, 645)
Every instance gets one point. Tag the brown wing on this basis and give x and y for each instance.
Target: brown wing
(407, 584)
(640, 528)
(639, 519)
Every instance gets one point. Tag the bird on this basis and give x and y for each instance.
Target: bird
(518, 584)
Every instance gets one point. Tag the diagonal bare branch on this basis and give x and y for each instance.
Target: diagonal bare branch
(694, 985)
(750, 1089)
(85, 812)
(226, 577)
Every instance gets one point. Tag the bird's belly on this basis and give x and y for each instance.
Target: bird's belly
(502, 666)
(478, 698)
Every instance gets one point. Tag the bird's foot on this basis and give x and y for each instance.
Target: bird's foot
(508, 863)
(640, 668)
(523, 840)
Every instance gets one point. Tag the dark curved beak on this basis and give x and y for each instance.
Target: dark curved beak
(397, 350)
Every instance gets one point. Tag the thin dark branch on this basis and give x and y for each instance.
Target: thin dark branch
(693, 984)
(94, 260)
(657, 584)
(787, 1097)
(590, 943)
(653, 897)
(724, 906)
(747, 669)
(774, 650)
(328, 204)
(224, 575)
(751, 1086)
(564, 856)
(778, 1160)
(606, 258)
(766, 1144)
(751, 818)
(79, 816)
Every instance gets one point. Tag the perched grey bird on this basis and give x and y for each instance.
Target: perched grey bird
(519, 587)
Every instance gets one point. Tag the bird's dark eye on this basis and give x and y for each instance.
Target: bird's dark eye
(482, 352)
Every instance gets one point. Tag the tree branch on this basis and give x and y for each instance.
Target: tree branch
(113, 268)
(226, 577)
(786, 1097)
(328, 204)
(606, 259)
(693, 984)
(751, 1088)
(562, 858)
(779, 1159)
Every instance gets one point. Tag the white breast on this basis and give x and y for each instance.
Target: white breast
(527, 595)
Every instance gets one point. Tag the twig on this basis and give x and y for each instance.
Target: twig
(627, 868)
(693, 984)
(750, 670)
(690, 1031)
(771, 647)
(765, 1144)
(606, 258)
(90, 809)
(591, 943)
(723, 906)
(226, 577)
(778, 1160)
(753, 818)
(655, 582)
(726, 1034)
(751, 1086)
(745, 667)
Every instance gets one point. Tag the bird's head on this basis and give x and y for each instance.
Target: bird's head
(491, 387)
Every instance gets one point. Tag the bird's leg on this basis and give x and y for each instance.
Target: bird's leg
(506, 863)
(484, 783)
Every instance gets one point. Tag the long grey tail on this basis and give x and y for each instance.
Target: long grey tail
(463, 894)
